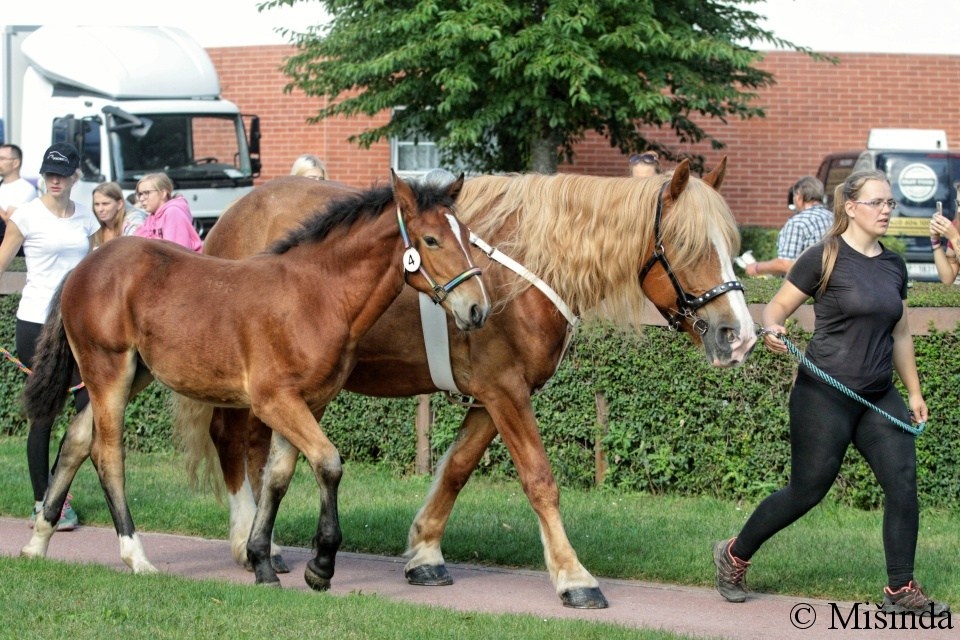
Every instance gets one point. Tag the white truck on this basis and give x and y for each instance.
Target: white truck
(134, 100)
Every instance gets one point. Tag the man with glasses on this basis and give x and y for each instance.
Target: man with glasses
(805, 228)
(14, 190)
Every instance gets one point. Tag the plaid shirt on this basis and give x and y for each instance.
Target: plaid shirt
(805, 228)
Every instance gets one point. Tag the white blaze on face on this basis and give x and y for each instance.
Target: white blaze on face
(738, 303)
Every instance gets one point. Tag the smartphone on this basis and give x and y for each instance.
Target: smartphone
(939, 209)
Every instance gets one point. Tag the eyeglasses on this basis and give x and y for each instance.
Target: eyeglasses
(878, 204)
(645, 158)
(146, 192)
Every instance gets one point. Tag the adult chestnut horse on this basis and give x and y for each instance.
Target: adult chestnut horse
(602, 244)
(277, 333)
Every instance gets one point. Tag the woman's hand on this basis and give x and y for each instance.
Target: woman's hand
(918, 408)
(941, 227)
(772, 340)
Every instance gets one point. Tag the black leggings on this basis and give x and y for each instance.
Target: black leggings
(823, 422)
(38, 439)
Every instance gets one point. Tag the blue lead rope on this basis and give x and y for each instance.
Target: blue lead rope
(833, 382)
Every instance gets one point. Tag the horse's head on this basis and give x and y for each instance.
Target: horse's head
(688, 274)
(437, 260)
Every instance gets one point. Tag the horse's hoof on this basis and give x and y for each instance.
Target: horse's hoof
(428, 576)
(315, 581)
(278, 564)
(269, 583)
(586, 598)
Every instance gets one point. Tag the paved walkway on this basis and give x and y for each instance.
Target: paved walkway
(688, 610)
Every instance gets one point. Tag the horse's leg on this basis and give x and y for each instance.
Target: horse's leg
(229, 441)
(109, 401)
(242, 442)
(277, 473)
(76, 449)
(426, 566)
(292, 419)
(518, 427)
(257, 445)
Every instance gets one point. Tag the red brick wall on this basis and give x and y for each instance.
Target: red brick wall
(814, 109)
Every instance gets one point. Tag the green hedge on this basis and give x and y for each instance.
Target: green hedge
(676, 425)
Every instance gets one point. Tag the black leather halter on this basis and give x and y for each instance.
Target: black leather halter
(687, 304)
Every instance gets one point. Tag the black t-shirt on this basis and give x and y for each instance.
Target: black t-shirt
(853, 333)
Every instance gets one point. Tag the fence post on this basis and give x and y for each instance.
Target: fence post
(599, 456)
(424, 425)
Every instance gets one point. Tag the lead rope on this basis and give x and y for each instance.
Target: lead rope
(839, 386)
(12, 358)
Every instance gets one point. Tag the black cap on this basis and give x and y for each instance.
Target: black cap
(61, 158)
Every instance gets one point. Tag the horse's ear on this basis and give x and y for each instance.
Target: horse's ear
(454, 189)
(715, 177)
(403, 194)
(681, 176)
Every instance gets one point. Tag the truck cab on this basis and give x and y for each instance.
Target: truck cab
(134, 100)
(921, 173)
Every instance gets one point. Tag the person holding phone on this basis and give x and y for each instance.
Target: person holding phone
(944, 241)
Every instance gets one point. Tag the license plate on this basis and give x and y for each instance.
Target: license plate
(921, 269)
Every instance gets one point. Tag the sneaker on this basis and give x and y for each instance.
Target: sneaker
(911, 599)
(68, 517)
(731, 572)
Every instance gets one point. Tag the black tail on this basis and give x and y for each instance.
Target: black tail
(48, 386)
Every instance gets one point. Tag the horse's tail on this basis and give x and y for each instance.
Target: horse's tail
(191, 431)
(48, 385)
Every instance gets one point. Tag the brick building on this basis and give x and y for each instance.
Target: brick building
(814, 109)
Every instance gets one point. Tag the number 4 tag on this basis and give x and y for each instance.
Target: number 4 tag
(411, 260)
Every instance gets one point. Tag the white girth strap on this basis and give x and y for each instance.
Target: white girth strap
(433, 322)
(433, 319)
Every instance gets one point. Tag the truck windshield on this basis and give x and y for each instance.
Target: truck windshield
(187, 147)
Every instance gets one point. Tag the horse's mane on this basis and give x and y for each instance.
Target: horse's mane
(347, 209)
(585, 235)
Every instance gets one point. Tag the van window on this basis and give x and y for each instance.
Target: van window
(919, 180)
(833, 171)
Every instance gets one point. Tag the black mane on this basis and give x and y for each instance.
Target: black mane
(349, 209)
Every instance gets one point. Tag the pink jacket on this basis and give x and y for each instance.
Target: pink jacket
(173, 222)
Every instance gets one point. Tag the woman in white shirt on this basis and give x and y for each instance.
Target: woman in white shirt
(55, 233)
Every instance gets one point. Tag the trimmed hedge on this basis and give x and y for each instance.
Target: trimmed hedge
(676, 425)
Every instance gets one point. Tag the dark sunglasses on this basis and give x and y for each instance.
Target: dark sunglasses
(645, 158)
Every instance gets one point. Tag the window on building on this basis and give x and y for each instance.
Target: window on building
(413, 158)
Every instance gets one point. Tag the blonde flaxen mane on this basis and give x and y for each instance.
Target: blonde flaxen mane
(585, 235)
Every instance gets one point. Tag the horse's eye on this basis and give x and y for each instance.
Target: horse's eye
(430, 241)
